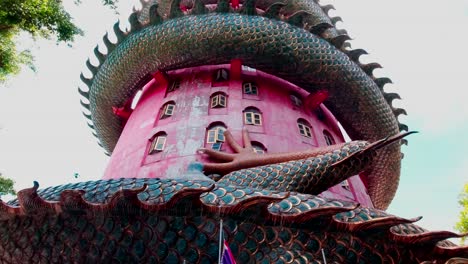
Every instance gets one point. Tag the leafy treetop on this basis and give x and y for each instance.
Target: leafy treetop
(40, 18)
(462, 224)
(6, 186)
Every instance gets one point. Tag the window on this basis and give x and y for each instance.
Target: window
(345, 185)
(167, 110)
(174, 86)
(328, 138)
(258, 148)
(217, 146)
(215, 135)
(158, 143)
(252, 116)
(250, 88)
(221, 75)
(218, 100)
(296, 100)
(304, 128)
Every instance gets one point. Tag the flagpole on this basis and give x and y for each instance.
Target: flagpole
(324, 258)
(220, 241)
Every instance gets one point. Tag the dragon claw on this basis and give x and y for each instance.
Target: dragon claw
(232, 160)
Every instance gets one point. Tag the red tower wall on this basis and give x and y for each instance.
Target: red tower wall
(187, 128)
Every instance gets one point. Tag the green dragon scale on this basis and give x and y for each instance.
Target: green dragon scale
(286, 49)
(172, 221)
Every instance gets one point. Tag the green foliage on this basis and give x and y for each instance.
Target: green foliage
(462, 225)
(40, 18)
(10, 59)
(6, 186)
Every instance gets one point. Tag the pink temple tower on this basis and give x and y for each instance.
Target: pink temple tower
(181, 111)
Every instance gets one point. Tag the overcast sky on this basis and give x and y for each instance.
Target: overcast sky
(422, 46)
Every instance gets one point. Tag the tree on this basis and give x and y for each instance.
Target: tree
(6, 186)
(40, 18)
(462, 225)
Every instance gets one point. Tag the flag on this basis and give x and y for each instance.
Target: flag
(227, 257)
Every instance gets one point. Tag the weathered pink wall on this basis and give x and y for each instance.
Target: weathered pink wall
(186, 128)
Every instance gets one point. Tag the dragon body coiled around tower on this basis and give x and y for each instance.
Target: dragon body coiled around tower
(270, 211)
(295, 40)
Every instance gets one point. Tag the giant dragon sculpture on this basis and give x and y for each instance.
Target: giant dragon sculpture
(268, 203)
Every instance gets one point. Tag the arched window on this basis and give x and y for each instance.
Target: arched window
(258, 147)
(304, 128)
(215, 135)
(218, 100)
(167, 110)
(221, 75)
(174, 85)
(328, 138)
(250, 88)
(158, 143)
(296, 100)
(252, 116)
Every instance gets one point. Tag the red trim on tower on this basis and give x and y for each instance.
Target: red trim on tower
(161, 77)
(124, 111)
(235, 3)
(236, 69)
(314, 100)
(184, 8)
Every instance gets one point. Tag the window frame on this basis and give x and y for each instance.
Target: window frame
(250, 88)
(257, 149)
(295, 100)
(218, 101)
(215, 135)
(329, 140)
(217, 146)
(219, 76)
(304, 129)
(345, 185)
(254, 116)
(157, 146)
(167, 110)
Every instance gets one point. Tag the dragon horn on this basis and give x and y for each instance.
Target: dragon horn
(377, 145)
(389, 140)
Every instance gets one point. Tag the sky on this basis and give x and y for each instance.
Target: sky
(421, 45)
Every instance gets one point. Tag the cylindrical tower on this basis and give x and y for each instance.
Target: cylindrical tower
(182, 111)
